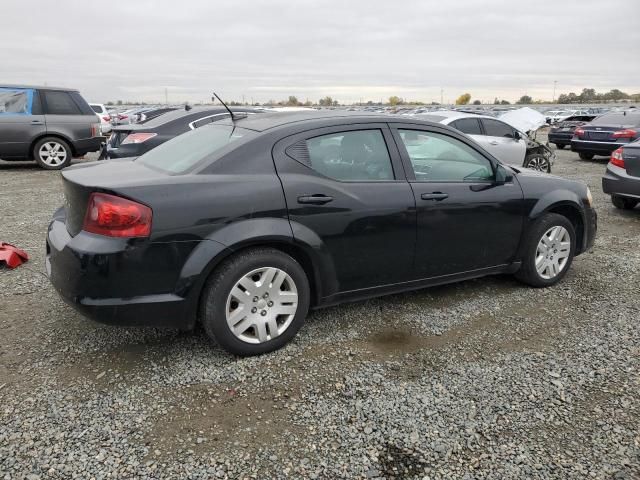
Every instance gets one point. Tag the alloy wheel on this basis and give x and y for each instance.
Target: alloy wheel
(539, 163)
(52, 154)
(262, 305)
(553, 252)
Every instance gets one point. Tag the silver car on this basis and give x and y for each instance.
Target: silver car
(503, 141)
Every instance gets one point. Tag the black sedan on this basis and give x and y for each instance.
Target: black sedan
(561, 133)
(135, 139)
(606, 133)
(244, 225)
(622, 179)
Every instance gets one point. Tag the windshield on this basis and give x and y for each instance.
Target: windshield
(203, 145)
(618, 118)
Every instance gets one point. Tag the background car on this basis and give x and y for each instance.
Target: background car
(622, 178)
(606, 133)
(47, 124)
(497, 137)
(245, 224)
(103, 115)
(561, 133)
(134, 140)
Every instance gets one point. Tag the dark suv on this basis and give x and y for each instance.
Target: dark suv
(46, 124)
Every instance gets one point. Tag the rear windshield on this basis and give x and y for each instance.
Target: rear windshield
(618, 118)
(203, 145)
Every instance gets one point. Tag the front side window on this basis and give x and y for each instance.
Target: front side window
(186, 151)
(354, 156)
(60, 103)
(494, 128)
(16, 101)
(440, 158)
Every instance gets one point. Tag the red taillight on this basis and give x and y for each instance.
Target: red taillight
(95, 130)
(122, 117)
(616, 158)
(116, 217)
(138, 137)
(578, 132)
(106, 118)
(626, 133)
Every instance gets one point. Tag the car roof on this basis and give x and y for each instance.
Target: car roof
(36, 87)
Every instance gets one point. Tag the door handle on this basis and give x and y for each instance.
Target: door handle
(437, 196)
(316, 199)
(37, 122)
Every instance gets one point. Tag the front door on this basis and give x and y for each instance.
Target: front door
(466, 220)
(501, 142)
(21, 121)
(346, 187)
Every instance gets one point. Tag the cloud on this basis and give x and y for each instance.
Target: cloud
(347, 49)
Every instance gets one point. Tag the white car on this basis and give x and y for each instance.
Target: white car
(507, 142)
(105, 118)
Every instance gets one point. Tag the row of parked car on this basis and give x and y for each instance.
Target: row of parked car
(52, 125)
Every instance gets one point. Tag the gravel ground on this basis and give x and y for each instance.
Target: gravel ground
(482, 379)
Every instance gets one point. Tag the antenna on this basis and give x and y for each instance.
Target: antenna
(234, 116)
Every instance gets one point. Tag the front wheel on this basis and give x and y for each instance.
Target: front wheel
(549, 251)
(585, 156)
(537, 161)
(560, 146)
(52, 153)
(623, 203)
(255, 302)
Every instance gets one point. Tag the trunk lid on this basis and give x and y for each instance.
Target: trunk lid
(81, 180)
(631, 157)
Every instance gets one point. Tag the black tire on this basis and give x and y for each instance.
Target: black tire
(560, 146)
(538, 162)
(585, 156)
(623, 203)
(528, 272)
(223, 280)
(46, 164)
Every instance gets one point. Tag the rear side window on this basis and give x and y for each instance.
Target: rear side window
(97, 108)
(60, 103)
(494, 128)
(196, 147)
(354, 156)
(470, 126)
(16, 101)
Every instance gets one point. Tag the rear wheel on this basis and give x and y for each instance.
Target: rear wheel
(585, 156)
(560, 146)
(548, 252)
(52, 153)
(623, 203)
(255, 302)
(537, 161)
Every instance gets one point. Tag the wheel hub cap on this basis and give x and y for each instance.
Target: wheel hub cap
(552, 252)
(262, 305)
(52, 154)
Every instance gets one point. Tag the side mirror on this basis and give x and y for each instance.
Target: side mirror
(516, 135)
(503, 175)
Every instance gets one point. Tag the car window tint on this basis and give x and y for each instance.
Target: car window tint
(494, 128)
(440, 158)
(618, 118)
(359, 155)
(96, 108)
(60, 103)
(15, 101)
(186, 151)
(470, 126)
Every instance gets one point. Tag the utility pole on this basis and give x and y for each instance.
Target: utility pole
(243, 99)
(555, 82)
(441, 96)
(166, 96)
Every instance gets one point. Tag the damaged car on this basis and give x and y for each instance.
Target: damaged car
(510, 137)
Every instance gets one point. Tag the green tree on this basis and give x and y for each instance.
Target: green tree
(326, 101)
(395, 100)
(292, 101)
(505, 102)
(477, 102)
(119, 102)
(463, 99)
(525, 100)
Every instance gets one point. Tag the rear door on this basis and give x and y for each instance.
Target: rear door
(345, 187)
(68, 116)
(466, 220)
(501, 141)
(21, 121)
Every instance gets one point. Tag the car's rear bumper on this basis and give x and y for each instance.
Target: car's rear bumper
(616, 181)
(119, 281)
(561, 138)
(596, 148)
(86, 145)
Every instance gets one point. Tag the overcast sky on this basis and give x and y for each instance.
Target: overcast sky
(349, 49)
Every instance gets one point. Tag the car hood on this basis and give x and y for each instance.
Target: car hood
(524, 119)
